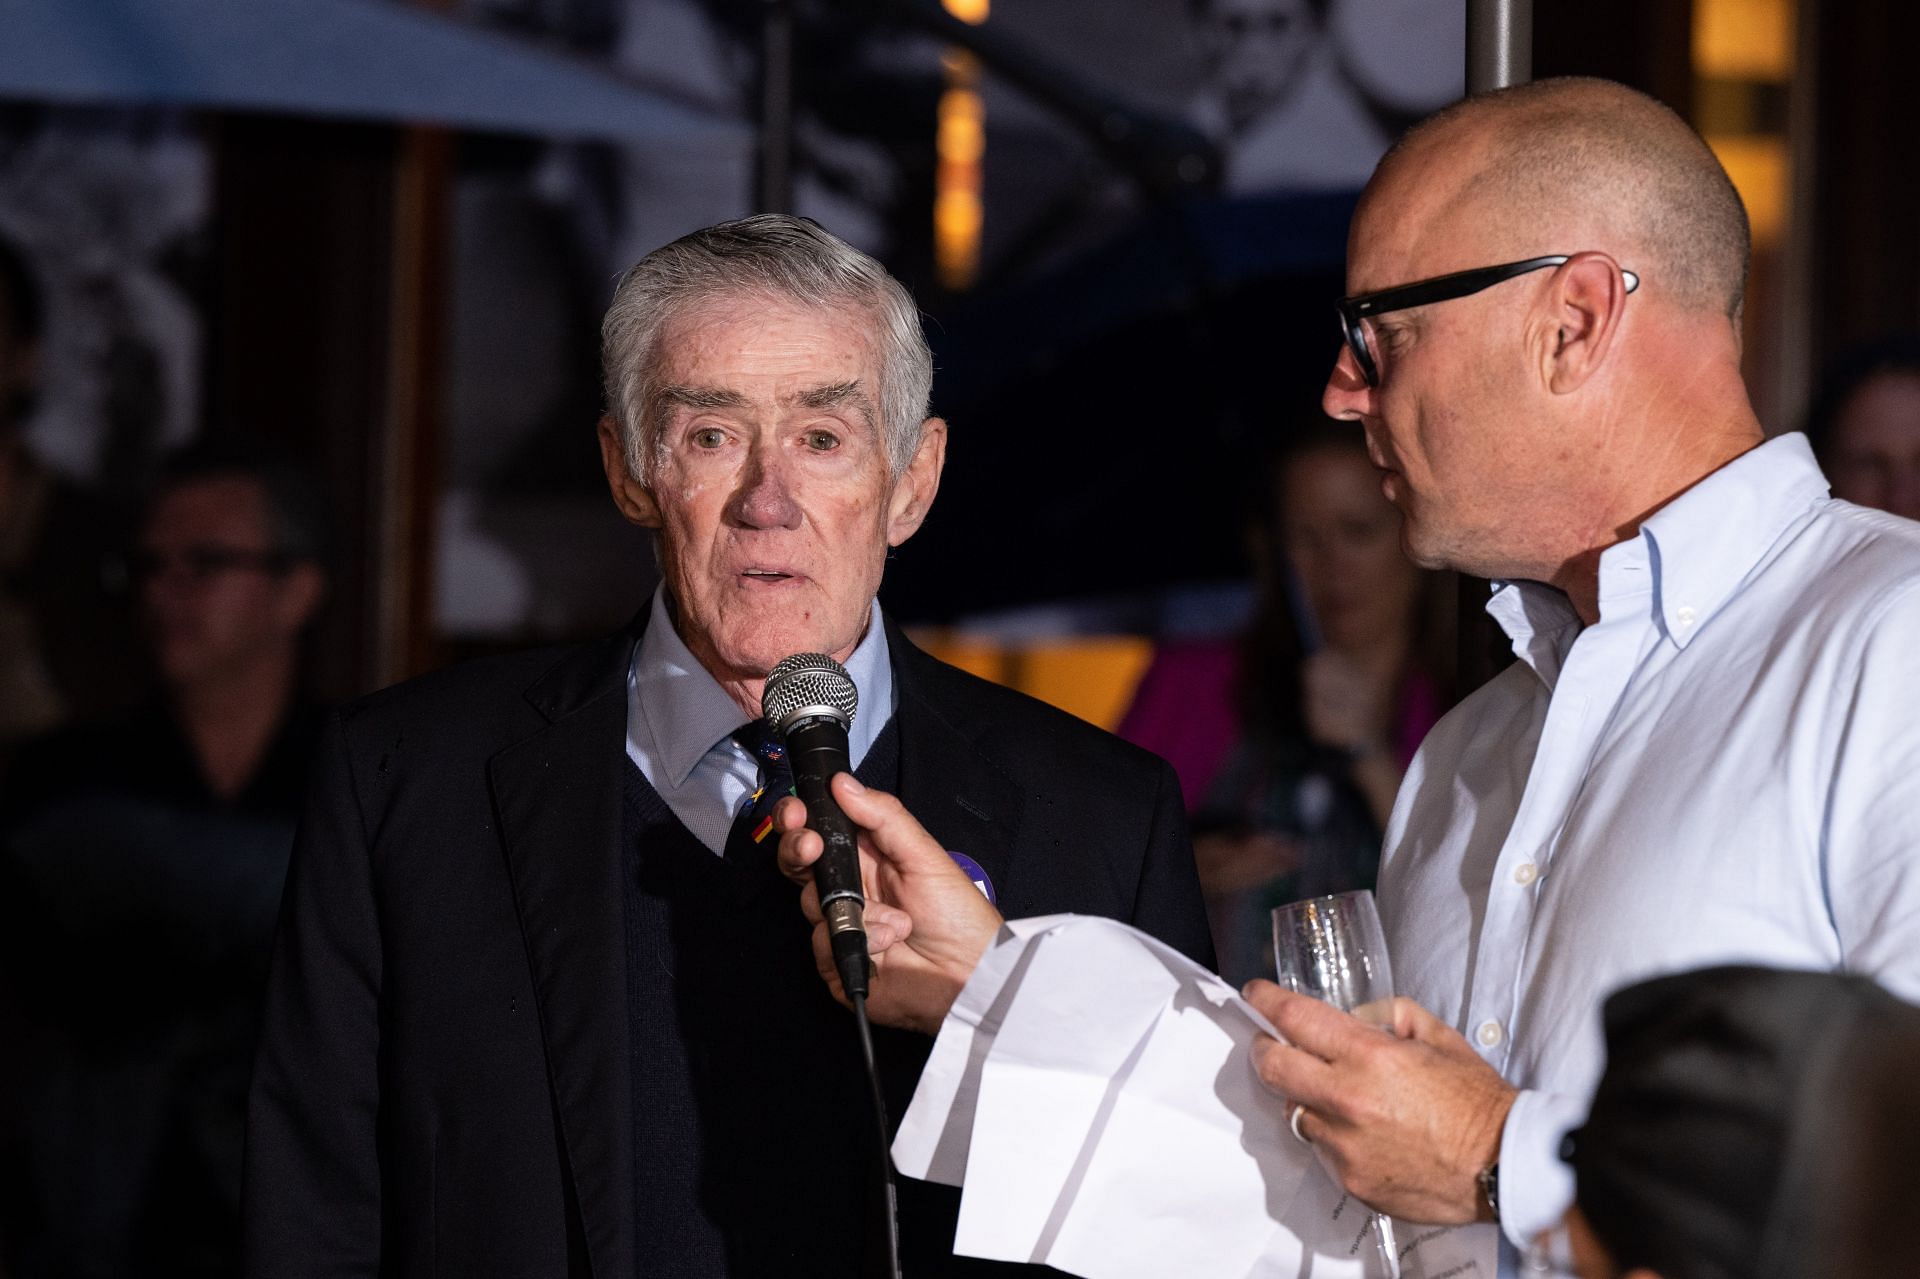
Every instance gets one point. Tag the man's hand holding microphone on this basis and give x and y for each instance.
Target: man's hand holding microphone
(927, 924)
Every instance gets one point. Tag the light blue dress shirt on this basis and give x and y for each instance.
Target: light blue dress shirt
(680, 723)
(1725, 768)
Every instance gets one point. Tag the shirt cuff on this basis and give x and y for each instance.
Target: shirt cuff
(1536, 1185)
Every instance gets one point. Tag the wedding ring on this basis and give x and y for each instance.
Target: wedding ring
(1293, 1122)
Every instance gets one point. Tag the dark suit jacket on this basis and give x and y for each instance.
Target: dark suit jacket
(442, 1085)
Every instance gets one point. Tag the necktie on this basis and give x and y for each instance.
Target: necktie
(754, 823)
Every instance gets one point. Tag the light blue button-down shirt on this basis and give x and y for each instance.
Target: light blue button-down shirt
(1725, 768)
(680, 723)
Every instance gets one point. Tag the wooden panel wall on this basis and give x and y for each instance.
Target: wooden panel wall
(1864, 240)
(327, 332)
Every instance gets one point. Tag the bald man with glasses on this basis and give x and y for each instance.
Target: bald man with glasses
(1707, 752)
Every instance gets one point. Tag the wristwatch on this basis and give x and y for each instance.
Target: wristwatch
(1490, 1187)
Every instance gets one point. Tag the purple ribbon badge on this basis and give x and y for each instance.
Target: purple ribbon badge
(977, 873)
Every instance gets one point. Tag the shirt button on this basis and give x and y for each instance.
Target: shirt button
(1490, 1034)
(1525, 873)
(1684, 615)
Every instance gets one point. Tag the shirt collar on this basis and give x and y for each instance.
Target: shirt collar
(1691, 554)
(1705, 542)
(683, 712)
(871, 667)
(1538, 619)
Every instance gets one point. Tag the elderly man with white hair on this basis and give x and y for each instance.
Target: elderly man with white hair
(542, 1002)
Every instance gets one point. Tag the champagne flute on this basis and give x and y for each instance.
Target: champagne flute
(1334, 949)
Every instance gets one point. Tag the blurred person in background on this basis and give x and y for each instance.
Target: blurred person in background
(1742, 1130)
(65, 645)
(143, 858)
(1864, 425)
(1347, 663)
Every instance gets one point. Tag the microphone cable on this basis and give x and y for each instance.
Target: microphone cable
(810, 701)
(889, 1192)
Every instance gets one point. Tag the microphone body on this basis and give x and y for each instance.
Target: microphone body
(810, 700)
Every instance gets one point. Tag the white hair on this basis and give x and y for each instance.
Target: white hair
(768, 253)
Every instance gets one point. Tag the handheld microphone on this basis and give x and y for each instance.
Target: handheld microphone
(809, 699)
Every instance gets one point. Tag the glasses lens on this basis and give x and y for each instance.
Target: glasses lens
(200, 564)
(1353, 330)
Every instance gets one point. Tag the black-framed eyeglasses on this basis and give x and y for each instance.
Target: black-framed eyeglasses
(198, 564)
(1356, 310)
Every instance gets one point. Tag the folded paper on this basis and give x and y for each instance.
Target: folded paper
(1092, 1092)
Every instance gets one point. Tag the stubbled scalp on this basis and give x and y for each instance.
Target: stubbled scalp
(1563, 157)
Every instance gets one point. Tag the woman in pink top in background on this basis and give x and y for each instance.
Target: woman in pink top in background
(1291, 743)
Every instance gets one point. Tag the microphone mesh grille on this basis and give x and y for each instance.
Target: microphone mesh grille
(807, 680)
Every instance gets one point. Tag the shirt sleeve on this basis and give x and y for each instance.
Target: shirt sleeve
(1536, 1185)
(1871, 851)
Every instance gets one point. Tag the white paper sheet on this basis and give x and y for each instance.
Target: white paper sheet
(1092, 1092)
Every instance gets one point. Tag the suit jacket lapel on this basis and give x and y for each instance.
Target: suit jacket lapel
(557, 796)
(963, 798)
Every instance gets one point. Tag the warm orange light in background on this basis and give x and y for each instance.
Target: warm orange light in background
(1743, 60)
(1092, 676)
(1758, 167)
(963, 133)
(1743, 39)
(960, 144)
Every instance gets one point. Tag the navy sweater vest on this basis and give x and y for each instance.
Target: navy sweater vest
(753, 1144)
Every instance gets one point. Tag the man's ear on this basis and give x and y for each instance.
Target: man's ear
(913, 492)
(633, 498)
(1574, 334)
